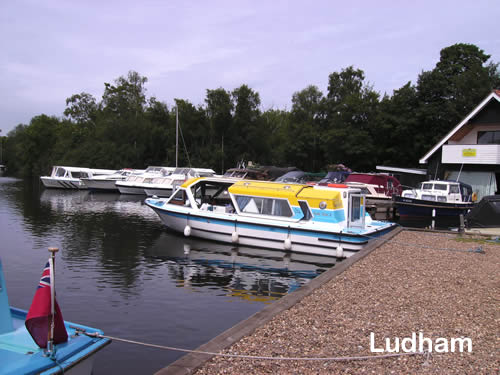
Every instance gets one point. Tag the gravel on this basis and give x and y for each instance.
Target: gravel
(417, 282)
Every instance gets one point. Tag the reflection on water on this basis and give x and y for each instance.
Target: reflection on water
(120, 270)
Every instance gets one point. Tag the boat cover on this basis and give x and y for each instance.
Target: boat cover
(485, 214)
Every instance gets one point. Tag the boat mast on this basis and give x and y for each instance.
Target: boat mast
(176, 135)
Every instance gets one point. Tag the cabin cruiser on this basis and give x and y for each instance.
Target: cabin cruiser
(164, 186)
(71, 177)
(284, 216)
(134, 184)
(436, 198)
(107, 182)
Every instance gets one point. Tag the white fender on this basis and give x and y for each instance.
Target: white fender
(340, 252)
(187, 231)
(187, 248)
(235, 237)
(287, 244)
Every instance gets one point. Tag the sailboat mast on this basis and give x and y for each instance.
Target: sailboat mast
(176, 135)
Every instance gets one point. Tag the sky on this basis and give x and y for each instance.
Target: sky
(53, 49)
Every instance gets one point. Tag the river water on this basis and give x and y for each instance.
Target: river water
(120, 270)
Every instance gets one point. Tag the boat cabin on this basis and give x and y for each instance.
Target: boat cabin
(383, 184)
(441, 191)
(294, 202)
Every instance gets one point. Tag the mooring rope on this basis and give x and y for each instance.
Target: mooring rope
(243, 356)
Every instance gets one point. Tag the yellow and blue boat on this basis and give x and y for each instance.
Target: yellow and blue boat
(318, 220)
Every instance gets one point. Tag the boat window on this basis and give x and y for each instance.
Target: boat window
(305, 210)
(488, 137)
(60, 172)
(178, 198)
(426, 186)
(428, 197)
(443, 187)
(441, 198)
(264, 206)
(454, 189)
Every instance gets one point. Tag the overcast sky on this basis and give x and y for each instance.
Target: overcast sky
(52, 49)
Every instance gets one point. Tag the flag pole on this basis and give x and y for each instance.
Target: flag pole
(50, 342)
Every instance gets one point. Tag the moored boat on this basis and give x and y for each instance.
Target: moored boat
(435, 198)
(290, 217)
(164, 186)
(134, 184)
(25, 348)
(108, 182)
(71, 177)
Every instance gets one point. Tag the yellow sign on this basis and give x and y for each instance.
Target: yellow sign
(467, 152)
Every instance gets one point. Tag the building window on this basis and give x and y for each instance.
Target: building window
(488, 138)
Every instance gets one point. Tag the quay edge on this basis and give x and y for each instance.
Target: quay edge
(189, 363)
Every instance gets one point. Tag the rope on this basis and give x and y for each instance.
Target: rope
(337, 359)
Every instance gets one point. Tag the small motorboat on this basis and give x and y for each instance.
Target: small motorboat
(29, 346)
(165, 185)
(108, 182)
(71, 177)
(435, 198)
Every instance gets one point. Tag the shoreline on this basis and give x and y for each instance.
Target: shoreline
(414, 281)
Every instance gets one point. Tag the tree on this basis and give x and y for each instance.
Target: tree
(351, 109)
(248, 134)
(219, 112)
(81, 108)
(305, 132)
(446, 94)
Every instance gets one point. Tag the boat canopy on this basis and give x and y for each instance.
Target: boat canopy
(292, 192)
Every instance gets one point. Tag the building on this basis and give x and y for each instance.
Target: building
(471, 151)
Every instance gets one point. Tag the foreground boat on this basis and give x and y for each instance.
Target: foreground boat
(435, 198)
(19, 354)
(71, 177)
(291, 217)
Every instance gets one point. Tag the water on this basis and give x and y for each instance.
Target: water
(120, 270)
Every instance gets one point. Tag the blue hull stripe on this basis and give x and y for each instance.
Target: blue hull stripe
(322, 236)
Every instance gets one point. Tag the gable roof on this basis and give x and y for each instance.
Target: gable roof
(495, 94)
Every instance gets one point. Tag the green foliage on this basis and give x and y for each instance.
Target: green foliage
(350, 125)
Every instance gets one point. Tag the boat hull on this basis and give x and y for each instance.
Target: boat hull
(412, 207)
(245, 231)
(132, 190)
(62, 183)
(19, 353)
(101, 185)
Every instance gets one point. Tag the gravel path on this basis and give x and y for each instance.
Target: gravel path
(409, 284)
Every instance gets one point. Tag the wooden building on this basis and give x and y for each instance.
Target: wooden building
(471, 151)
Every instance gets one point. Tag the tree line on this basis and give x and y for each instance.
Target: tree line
(350, 124)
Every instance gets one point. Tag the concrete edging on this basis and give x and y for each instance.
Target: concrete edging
(193, 361)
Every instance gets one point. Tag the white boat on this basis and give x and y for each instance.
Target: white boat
(165, 185)
(291, 217)
(436, 198)
(134, 184)
(71, 177)
(21, 354)
(107, 182)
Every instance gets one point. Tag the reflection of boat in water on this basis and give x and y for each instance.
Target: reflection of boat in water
(29, 346)
(293, 217)
(74, 201)
(249, 273)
